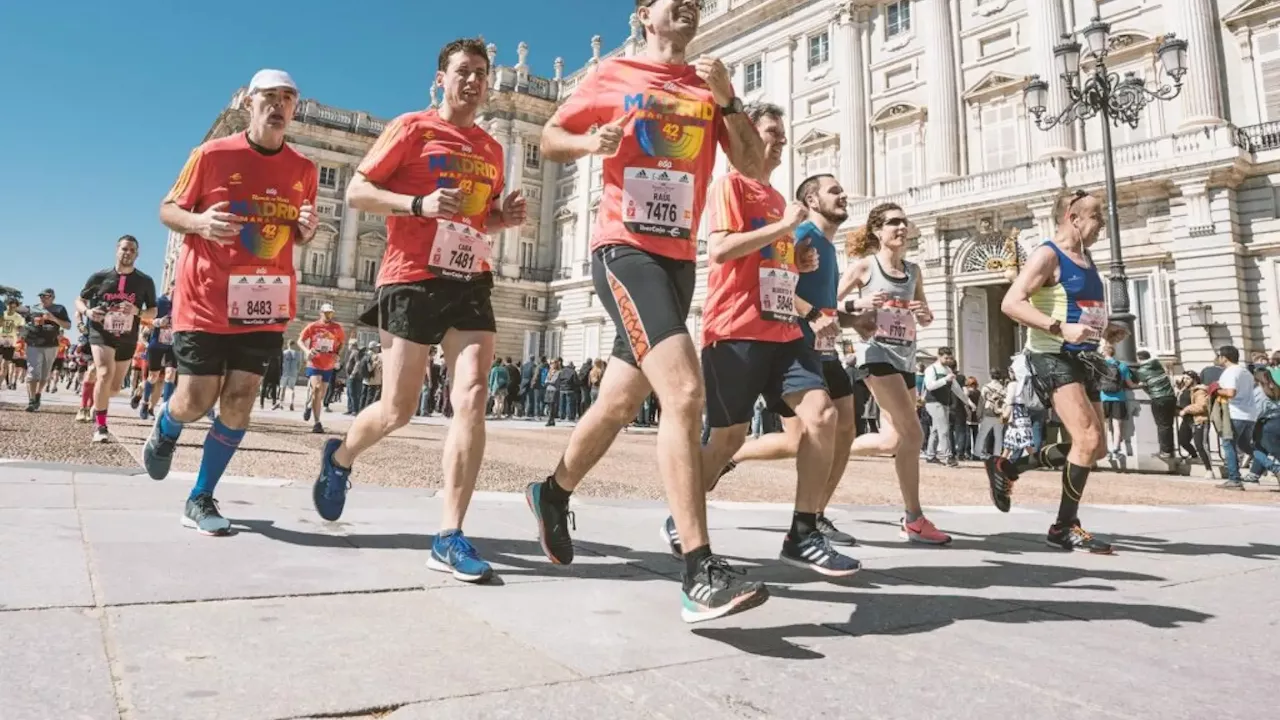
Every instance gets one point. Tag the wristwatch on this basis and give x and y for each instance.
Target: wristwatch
(814, 314)
(1055, 328)
(733, 108)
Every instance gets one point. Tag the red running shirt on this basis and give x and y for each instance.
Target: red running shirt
(416, 154)
(326, 339)
(655, 186)
(247, 286)
(752, 297)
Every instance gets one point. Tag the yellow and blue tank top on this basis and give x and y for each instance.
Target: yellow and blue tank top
(1077, 297)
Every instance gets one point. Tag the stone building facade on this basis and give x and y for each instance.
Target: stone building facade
(920, 102)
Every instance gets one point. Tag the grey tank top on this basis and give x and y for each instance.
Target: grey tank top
(894, 342)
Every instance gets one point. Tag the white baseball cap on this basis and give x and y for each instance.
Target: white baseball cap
(268, 79)
(326, 308)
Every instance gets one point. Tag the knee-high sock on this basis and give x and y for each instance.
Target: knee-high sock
(86, 394)
(1073, 481)
(167, 391)
(146, 392)
(219, 445)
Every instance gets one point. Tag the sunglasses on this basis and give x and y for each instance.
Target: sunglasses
(896, 222)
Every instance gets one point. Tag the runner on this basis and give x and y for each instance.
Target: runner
(234, 293)
(657, 123)
(59, 362)
(138, 367)
(827, 203)
(321, 341)
(116, 301)
(45, 324)
(1059, 297)
(752, 344)
(85, 383)
(19, 364)
(289, 362)
(161, 365)
(440, 178)
(10, 323)
(892, 289)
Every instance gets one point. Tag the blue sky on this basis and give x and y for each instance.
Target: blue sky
(103, 100)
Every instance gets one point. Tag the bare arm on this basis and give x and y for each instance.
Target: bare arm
(854, 277)
(179, 220)
(725, 246)
(560, 145)
(366, 196)
(746, 147)
(1017, 301)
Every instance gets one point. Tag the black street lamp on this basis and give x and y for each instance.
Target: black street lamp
(1118, 100)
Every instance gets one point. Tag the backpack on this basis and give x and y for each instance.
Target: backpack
(1110, 382)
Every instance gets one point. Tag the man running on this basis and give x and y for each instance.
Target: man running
(827, 203)
(321, 340)
(1059, 297)
(752, 344)
(161, 365)
(46, 322)
(235, 293)
(59, 363)
(10, 323)
(115, 301)
(440, 178)
(657, 120)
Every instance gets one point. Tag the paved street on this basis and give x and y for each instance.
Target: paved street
(110, 609)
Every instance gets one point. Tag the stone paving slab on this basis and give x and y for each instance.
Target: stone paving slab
(294, 617)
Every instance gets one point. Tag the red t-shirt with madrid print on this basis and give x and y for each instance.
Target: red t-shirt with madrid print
(417, 153)
(248, 285)
(656, 185)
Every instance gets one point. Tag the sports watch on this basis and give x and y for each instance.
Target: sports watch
(1055, 328)
(733, 108)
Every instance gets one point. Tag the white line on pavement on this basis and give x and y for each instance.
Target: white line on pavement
(983, 510)
(1137, 508)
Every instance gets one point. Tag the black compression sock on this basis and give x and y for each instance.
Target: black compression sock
(1073, 481)
(555, 493)
(802, 524)
(693, 559)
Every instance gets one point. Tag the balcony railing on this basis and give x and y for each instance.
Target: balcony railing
(366, 285)
(564, 273)
(354, 122)
(329, 281)
(1257, 138)
(702, 247)
(535, 274)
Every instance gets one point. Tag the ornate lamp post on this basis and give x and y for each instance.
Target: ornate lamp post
(1118, 100)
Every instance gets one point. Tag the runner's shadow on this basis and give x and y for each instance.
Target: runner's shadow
(989, 574)
(910, 614)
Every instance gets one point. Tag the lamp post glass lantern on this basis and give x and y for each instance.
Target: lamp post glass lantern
(1097, 91)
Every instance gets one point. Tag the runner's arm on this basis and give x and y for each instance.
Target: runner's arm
(560, 145)
(924, 306)
(363, 194)
(725, 246)
(854, 277)
(1017, 301)
(746, 148)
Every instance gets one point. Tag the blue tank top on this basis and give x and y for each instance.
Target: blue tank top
(1077, 297)
(818, 288)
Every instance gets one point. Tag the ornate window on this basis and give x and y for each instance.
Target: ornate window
(899, 132)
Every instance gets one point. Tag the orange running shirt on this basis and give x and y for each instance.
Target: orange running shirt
(326, 339)
(417, 153)
(63, 346)
(140, 355)
(752, 297)
(655, 186)
(247, 286)
(20, 349)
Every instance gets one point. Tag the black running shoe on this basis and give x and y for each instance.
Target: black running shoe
(1001, 475)
(672, 538)
(728, 468)
(833, 534)
(157, 453)
(306, 413)
(716, 590)
(135, 401)
(815, 553)
(1074, 537)
(554, 522)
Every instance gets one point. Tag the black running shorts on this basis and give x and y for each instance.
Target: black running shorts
(203, 354)
(6, 352)
(736, 372)
(124, 345)
(883, 369)
(647, 296)
(838, 383)
(1050, 371)
(160, 357)
(422, 312)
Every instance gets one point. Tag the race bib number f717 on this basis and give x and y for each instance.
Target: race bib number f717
(117, 323)
(256, 296)
(657, 202)
(895, 326)
(460, 251)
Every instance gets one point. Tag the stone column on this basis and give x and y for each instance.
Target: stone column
(942, 140)
(547, 224)
(937, 288)
(779, 63)
(1048, 23)
(582, 235)
(348, 245)
(515, 181)
(850, 25)
(1193, 21)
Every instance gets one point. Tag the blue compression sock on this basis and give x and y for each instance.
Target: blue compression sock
(169, 427)
(219, 445)
(166, 392)
(146, 392)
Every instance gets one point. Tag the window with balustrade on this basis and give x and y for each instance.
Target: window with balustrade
(1151, 302)
(532, 156)
(897, 18)
(368, 270)
(328, 176)
(819, 49)
(1001, 136)
(528, 256)
(899, 160)
(317, 263)
(1268, 63)
(753, 76)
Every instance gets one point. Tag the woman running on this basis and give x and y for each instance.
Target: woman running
(891, 304)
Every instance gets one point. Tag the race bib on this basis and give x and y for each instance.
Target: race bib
(895, 326)
(257, 296)
(778, 294)
(117, 323)
(1093, 313)
(826, 343)
(324, 345)
(459, 251)
(657, 202)
(166, 336)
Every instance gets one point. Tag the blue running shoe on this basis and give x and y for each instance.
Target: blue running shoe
(330, 491)
(451, 552)
(815, 553)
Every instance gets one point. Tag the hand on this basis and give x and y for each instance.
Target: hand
(716, 76)
(97, 314)
(127, 308)
(825, 325)
(608, 137)
(1077, 333)
(795, 214)
(1115, 333)
(218, 225)
(308, 220)
(443, 203)
(864, 323)
(515, 208)
(875, 302)
(160, 322)
(922, 312)
(806, 259)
